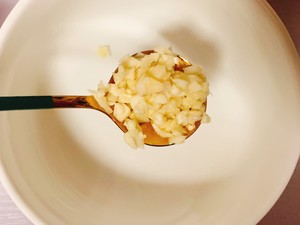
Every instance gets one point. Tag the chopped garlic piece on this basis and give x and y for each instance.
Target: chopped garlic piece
(104, 51)
(102, 101)
(134, 139)
(206, 118)
(147, 88)
(177, 139)
(121, 111)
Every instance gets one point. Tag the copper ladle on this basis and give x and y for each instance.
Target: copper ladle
(8, 103)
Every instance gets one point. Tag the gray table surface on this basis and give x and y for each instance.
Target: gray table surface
(287, 209)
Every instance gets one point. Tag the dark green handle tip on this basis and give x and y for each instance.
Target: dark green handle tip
(25, 102)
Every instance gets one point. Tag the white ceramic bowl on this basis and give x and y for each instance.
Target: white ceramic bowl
(73, 167)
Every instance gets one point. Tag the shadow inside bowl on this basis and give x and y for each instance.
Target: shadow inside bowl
(199, 48)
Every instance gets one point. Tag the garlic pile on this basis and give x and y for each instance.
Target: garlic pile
(148, 88)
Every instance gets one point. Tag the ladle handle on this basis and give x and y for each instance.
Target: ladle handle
(8, 103)
(25, 102)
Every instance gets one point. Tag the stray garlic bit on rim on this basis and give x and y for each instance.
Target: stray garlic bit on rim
(104, 51)
(147, 88)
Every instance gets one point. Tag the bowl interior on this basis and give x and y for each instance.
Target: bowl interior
(72, 166)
